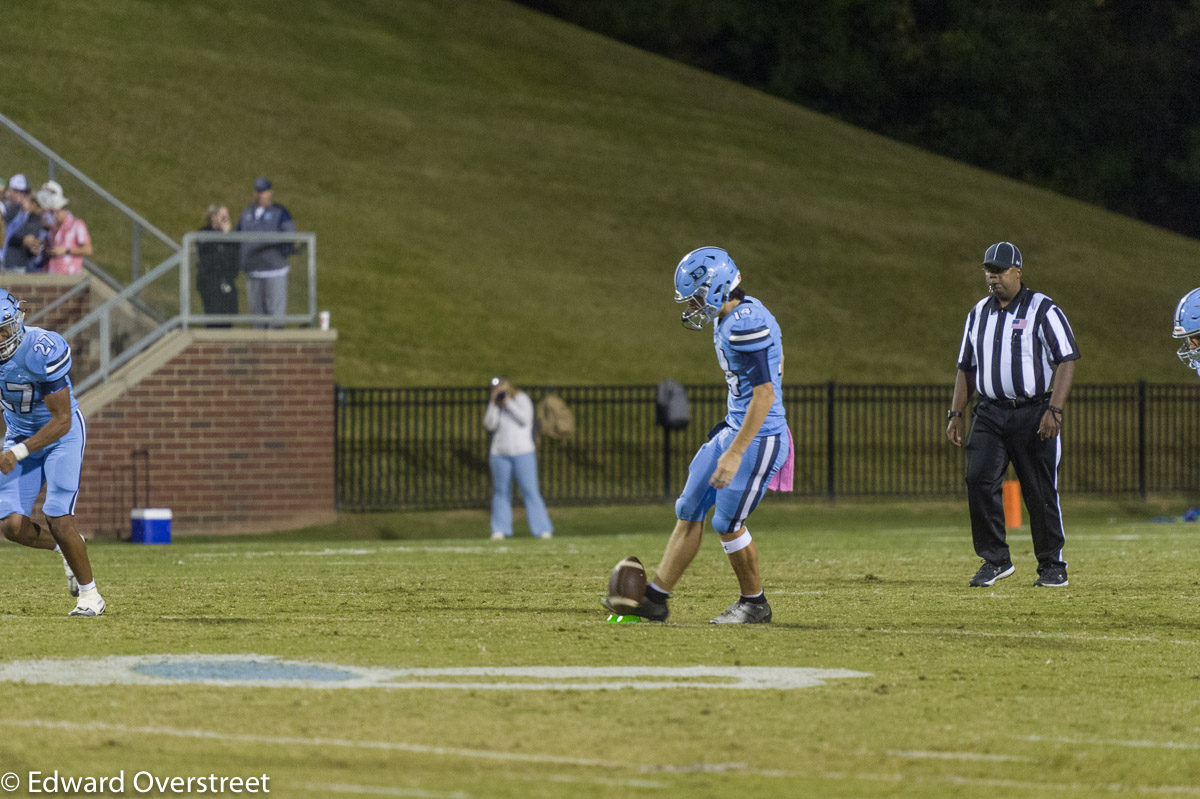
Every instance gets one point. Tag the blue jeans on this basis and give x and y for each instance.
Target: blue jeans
(524, 468)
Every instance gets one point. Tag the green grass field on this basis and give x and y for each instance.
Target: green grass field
(515, 192)
(1011, 691)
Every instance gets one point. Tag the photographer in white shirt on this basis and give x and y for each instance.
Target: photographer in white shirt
(509, 418)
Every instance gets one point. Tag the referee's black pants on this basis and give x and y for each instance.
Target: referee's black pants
(1000, 434)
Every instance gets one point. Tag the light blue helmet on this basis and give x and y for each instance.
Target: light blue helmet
(703, 280)
(12, 325)
(1187, 326)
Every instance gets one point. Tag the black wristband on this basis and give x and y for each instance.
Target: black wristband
(1056, 411)
(954, 414)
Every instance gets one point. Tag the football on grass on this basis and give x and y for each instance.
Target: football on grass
(627, 584)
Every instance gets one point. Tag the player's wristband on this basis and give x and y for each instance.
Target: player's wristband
(954, 414)
(1056, 411)
(20, 452)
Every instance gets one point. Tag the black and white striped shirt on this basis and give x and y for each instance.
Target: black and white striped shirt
(1012, 351)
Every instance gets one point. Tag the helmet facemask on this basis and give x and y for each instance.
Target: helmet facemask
(1187, 353)
(13, 324)
(698, 312)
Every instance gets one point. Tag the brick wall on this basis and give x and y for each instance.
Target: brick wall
(234, 429)
(37, 291)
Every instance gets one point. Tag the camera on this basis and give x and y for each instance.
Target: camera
(500, 397)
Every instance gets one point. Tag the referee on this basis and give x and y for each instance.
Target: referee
(1019, 352)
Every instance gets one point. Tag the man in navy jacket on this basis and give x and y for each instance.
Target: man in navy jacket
(265, 263)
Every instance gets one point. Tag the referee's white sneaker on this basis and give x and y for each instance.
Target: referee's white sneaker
(989, 573)
(90, 604)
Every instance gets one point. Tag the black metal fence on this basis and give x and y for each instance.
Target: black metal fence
(426, 447)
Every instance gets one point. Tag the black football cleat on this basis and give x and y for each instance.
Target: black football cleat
(989, 573)
(650, 611)
(1051, 577)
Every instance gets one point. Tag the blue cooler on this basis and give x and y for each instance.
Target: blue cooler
(151, 525)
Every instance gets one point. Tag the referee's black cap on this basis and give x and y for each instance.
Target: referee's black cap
(1003, 255)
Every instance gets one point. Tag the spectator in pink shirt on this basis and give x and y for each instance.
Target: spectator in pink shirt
(69, 240)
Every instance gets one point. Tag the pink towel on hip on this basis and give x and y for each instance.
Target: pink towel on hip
(782, 479)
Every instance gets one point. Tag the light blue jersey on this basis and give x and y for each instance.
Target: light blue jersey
(38, 367)
(750, 350)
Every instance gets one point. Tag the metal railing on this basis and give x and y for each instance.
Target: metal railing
(75, 291)
(426, 447)
(302, 294)
(162, 300)
(115, 227)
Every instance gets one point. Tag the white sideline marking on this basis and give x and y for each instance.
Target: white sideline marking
(387, 746)
(1034, 635)
(648, 768)
(374, 790)
(923, 755)
(618, 783)
(319, 553)
(984, 782)
(1109, 742)
(124, 670)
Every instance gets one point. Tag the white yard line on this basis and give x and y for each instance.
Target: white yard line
(984, 782)
(736, 769)
(343, 551)
(376, 790)
(1037, 635)
(924, 755)
(1182, 745)
(280, 740)
(270, 671)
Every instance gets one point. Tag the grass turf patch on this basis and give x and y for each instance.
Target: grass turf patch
(1004, 691)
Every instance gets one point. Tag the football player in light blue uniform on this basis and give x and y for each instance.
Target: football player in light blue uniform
(1187, 327)
(732, 470)
(43, 446)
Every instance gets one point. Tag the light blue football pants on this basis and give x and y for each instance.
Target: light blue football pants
(736, 501)
(57, 466)
(524, 468)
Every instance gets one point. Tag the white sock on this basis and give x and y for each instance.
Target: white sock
(89, 587)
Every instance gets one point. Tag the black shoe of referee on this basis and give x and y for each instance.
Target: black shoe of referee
(989, 573)
(1051, 577)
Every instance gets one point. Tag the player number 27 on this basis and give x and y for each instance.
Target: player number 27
(19, 393)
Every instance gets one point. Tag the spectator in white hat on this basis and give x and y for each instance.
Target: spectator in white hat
(69, 239)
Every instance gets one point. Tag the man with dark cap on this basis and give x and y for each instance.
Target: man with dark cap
(265, 263)
(1019, 351)
(16, 215)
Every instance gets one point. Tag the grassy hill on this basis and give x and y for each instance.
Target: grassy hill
(494, 190)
